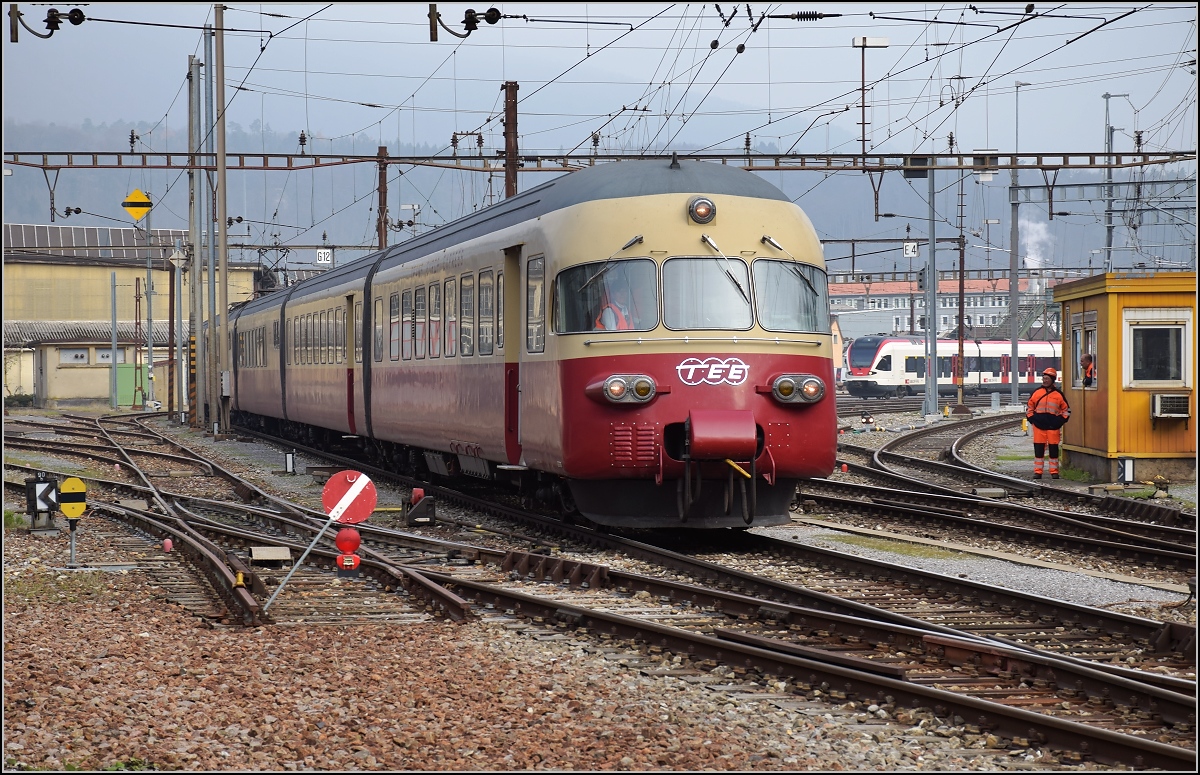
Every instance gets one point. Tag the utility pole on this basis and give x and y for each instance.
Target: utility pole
(864, 44)
(223, 329)
(931, 283)
(1014, 258)
(382, 206)
(212, 346)
(196, 288)
(960, 407)
(1108, 192)
(148, 404)
(511, 160)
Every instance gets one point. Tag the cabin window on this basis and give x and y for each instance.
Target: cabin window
(407, 315)
(378, 342)
(451, 298)
(1084, 342)
(358, 336)
(418, 321)
(535, 305)
(487, 312)
(500, 310)
(435, 320)
(1158, 347)
(706, 292)
(583, 293)
(466, 315)
(394, 327)
(323, 337)
(340, 332)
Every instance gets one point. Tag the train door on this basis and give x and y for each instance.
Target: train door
(345, 335)
(1005, 369)
(508, 299)
(1031, 375)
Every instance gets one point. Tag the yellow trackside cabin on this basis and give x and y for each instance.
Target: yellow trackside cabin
(1137, 419)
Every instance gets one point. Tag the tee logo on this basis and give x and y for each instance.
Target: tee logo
(713, 371)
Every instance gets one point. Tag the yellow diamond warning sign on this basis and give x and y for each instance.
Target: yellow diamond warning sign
(72, 498)
(137, 204)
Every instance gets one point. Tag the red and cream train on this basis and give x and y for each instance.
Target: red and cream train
(478, 349)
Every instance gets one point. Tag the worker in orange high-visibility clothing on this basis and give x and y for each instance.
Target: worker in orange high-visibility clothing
(615, 314)
(1047, 411)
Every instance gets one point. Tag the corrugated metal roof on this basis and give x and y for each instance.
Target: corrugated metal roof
(88, 241)
(25, 333)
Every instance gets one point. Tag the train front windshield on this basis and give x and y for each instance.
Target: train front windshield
(862, 352)
(790, 296)
(583, 291)
(697, 293)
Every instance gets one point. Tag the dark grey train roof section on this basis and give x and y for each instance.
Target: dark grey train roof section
(612, 180)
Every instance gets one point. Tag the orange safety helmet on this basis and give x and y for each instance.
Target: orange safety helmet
(1050, 373)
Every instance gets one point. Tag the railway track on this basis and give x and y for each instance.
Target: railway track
(810, 649)
(920, 492)
(772, 633)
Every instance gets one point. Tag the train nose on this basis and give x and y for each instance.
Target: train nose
(717, 434)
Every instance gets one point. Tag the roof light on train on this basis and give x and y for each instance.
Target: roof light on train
(702, 210)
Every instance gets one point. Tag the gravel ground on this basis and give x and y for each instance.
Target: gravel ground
(99, 672)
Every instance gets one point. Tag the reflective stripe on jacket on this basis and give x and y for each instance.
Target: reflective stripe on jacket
(1048, 409)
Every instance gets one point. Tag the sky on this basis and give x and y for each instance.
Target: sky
(637, 77)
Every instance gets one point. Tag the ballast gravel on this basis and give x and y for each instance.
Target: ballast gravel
(101, 672)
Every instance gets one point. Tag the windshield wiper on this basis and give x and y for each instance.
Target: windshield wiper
(799, 272)
(707, 240)
(609, 264)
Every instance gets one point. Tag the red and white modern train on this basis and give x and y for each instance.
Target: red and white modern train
(488, 348)
(895, 365)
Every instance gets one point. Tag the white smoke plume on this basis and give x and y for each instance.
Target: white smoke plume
(1037, 244)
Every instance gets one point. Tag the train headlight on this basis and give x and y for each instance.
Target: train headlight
(796, 388)
(812, 389)
(784, 388)
(615, 388)
(702, 210)
(629, 388)
(643, 388)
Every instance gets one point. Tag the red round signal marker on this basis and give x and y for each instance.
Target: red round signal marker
(347, 540)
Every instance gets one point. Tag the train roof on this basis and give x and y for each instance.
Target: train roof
(611, 180)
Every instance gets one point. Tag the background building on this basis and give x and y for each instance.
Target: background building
(59, 311)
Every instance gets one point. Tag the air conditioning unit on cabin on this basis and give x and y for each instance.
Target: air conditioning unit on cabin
(1170, 405)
